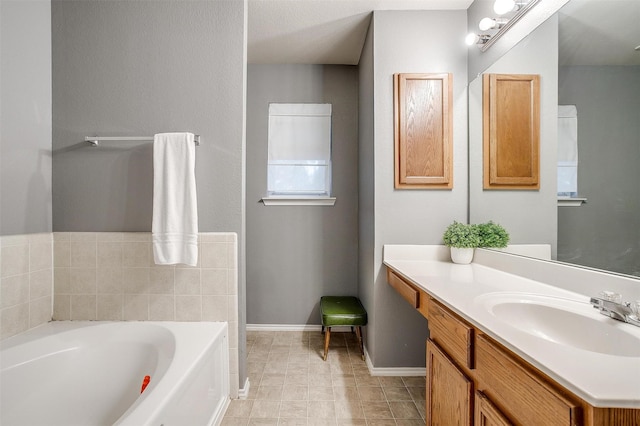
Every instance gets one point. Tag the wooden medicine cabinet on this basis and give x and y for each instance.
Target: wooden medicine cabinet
(511, 131)
(423, 125)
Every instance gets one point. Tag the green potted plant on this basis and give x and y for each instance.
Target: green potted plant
(462, 239)
(492, 235)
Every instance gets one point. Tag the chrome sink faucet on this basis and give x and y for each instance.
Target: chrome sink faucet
(611, 305)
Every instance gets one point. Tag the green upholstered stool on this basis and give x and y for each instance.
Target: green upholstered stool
(342, 311)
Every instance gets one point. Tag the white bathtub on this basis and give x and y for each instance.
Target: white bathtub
(90, 373)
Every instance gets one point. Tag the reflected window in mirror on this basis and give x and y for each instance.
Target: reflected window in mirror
(567, 151)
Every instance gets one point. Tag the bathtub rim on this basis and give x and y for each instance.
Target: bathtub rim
(190, 338)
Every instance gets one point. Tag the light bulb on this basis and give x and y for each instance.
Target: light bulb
(503, 6)
(471, 39)
(487, 23)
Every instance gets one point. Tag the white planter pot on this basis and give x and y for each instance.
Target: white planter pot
(462, 256)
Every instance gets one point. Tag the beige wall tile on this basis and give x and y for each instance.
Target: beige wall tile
(14, 320)
(40, 256)
(188, 308)
(82, 281)
(14, 290)
(40, 311)
(136, 236)
(61, 253)
(209, 237)
(215, 281)
(233, 282)
(136, 307)
(110, 307)
(83, 236)
(161, 307)
(82, 254)
(40, 284)
(110, 236)
(161, 281)
(214, 308)
(61, 236)
(136, 254)
(187, 281)
(109, 254)
(136, 280)
(214, 255)
(83, 307)
(14, 240)
(42, 238)
(61, 280)
(232, 306)
(14, 260)
(61, 307)
(109, 281)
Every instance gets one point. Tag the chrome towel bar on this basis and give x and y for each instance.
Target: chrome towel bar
(94, 140)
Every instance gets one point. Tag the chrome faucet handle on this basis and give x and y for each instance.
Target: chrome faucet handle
(611, 296)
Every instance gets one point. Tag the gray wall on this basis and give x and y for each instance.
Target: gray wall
(136, 69)
(605, 232)
(296, 254)
(529, 216)
(25, 117)
(404, 41)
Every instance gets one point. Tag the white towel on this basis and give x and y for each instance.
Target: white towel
(175, 208)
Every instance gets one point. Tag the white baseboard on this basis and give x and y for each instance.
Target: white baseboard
(292, 327)
(243, 392)
(375, 371)
(393, 371)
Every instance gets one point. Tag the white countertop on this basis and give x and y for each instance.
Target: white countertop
(601, 379)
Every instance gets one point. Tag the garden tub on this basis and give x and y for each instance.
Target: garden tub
(93, 373)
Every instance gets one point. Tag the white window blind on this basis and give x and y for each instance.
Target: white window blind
(299, 153)
(567, 151)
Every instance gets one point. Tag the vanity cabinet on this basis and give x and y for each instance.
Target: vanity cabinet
(449, 390)
(473, 380)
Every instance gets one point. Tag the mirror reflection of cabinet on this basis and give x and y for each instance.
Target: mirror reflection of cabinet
(423, 123)
(511, 131)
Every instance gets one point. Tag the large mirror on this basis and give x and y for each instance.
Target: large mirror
(586, 56)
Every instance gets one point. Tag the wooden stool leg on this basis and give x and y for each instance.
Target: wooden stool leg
(327, 336)
(359, 335)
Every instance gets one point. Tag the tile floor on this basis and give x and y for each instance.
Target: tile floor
(292, 385)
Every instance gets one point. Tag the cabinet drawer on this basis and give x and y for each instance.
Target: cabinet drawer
(406, 290)
(451, 333)
(521, 394)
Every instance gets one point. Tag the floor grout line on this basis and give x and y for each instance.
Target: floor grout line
(344, 359)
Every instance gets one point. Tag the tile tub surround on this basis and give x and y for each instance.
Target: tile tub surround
(26, 282)
(112, 276)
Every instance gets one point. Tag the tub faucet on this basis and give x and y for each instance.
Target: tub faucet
(611, 305)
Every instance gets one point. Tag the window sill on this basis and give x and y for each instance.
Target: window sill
(299, 201)
(571, 202)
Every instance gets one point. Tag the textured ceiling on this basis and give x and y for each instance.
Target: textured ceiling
(320, 31)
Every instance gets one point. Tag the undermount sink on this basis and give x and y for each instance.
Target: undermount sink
(563, 321)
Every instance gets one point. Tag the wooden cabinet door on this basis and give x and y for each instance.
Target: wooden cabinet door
(423, 124)
(511, 131)
(486, 414)
(449, 391)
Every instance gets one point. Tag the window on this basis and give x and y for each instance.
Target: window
(299, 153)
(568, 154)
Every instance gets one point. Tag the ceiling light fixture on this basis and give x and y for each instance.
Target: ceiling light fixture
(491, 23)
(473, 38)
(504, 6)
(498, 26)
